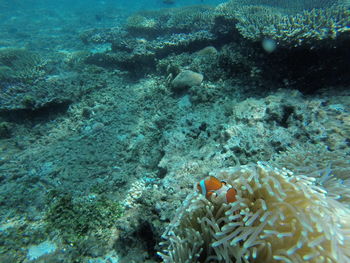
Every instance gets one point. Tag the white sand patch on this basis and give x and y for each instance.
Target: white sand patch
(36, 251)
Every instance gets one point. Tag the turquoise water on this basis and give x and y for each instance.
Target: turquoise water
(112, 112)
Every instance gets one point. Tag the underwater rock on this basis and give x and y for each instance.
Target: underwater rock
(187, 79)
(208, 51)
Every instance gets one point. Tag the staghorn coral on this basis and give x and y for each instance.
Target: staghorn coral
(278, 217)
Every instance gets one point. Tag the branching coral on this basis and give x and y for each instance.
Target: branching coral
(278, 217)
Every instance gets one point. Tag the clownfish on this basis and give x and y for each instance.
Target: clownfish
(217, 191)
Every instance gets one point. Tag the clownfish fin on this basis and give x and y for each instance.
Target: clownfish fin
(209, 195)
(202, 187)
(231, 195)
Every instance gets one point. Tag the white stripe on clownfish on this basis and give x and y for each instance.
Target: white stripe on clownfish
(203, 187)
(217, 191)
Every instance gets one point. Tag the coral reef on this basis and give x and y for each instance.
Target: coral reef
(278, 216)
(20, 65)
(296, 24)
(298, 32)
(81, 222)
(98, 125)
(78, 219)
(141, 53)
(171, 20)
(16, 234)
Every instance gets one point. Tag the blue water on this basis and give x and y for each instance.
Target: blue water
(26, 22)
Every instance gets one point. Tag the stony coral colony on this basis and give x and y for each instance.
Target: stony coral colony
(278, 217)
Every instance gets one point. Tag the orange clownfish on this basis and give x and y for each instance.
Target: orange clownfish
(217, 191)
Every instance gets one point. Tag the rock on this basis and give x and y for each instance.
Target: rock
(187, 79)
(208, 51)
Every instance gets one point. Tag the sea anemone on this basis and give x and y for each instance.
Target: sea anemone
(278, 217)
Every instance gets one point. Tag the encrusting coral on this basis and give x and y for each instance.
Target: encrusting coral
(278, 217)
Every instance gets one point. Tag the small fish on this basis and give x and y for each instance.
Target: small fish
(217, 191)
